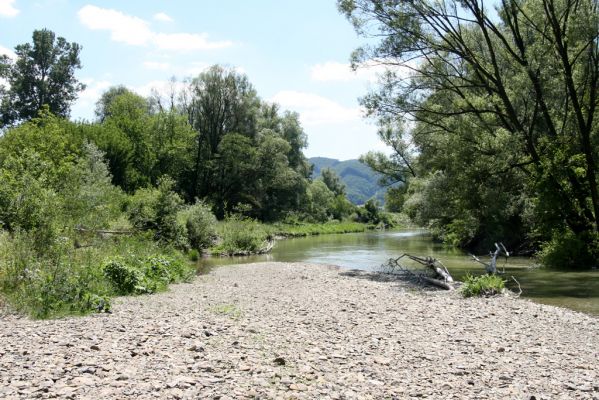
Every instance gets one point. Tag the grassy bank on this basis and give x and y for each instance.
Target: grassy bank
(78, 278)
(308, 229)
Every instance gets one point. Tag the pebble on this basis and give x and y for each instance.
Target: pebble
(303, 331)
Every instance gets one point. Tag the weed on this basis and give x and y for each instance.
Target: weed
(484, 285)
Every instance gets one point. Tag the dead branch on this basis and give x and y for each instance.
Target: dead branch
(519, 287)
(442, 278)
(103, 231)
(491, 267)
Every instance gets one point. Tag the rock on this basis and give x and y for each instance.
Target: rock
(279, 361)
(298, 387)
(428, 344)
(382, 360)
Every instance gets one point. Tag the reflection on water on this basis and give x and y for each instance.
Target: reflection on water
(368, 251)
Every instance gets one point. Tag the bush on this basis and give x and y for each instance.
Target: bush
(55, 282)
(200, 224)
(484, 285)
(156, 210)
(240, 235)
(123, 277)
(150, 275)
(568, 251)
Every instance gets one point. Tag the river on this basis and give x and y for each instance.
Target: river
(368, 251)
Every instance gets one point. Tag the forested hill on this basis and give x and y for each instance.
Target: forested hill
(361, 182)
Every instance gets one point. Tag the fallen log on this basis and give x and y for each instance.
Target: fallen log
(104, 231)
(441, 276)
(437, 282)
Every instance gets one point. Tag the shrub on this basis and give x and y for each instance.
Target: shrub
(123, 277)
(240, 235)
(149, 275)
(55, 282)
(565, 250)
(484, 285)
(156, 210)
(200, 224)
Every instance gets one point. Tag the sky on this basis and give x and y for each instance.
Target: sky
(295, 53)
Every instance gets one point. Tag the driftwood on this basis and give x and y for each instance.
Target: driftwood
(491, 266)
(103, 231)
(441, 278)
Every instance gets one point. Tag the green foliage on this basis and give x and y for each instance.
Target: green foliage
(240, 236)
(200, 224)
(506, 147)
(156, 210)
(65, 280)
(320, 202)
(56, 282)
(299, 229)
(43, 74)
(361, 182)
(568, 251)
(484, 285)
(395, 198)
(148, 275)
(123, 277)
(331, 179)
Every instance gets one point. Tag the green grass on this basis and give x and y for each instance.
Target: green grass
(75, 280)
(484, 285)
(308, 229)
(230, 310)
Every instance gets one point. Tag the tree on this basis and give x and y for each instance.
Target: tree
(104, 103)
(516, 87)
(331, 179)
(43, 73)
(219, 101)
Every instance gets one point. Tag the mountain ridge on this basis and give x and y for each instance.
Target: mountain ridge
(361, 182)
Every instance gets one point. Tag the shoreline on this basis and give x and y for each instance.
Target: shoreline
(296, 330)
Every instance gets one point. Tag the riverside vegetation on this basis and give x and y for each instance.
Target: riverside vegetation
(491, 114)
(90, 210)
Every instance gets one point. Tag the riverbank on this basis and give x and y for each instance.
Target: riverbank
(303, 331)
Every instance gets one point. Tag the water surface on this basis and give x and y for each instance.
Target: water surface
(368, 251)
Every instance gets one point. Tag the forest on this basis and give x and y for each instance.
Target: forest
(118, 205)
(490, 112)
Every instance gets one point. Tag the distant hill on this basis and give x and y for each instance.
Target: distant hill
(361, 183)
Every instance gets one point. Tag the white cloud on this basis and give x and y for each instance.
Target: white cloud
(187, 42)
(8, 52)
(333, 71)
(135, 31)
(315, 109)
(7, 8)
(162, 17)
(334, 130)
(123, 28)
(195, 68)
(84, 106)
(160, 66)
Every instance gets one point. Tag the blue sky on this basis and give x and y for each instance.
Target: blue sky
(294, 52)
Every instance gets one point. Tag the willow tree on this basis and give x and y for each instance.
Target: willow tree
(520, 78)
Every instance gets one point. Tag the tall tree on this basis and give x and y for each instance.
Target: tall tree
(220, 101)
(333, 182)
(43, 73)
(517, 85)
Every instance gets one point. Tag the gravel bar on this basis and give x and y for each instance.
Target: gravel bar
(303, 331)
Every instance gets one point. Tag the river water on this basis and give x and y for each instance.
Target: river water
(368, 251)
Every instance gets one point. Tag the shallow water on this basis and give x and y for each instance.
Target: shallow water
(368, 251)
